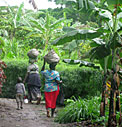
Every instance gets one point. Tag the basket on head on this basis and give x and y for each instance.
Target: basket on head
(33, 53)
(51, 57)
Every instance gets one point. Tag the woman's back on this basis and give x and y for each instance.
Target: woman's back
(50, 80)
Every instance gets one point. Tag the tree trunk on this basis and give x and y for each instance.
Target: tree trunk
(112, 107)
(102, 105)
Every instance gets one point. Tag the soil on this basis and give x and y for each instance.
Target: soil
(31, 115)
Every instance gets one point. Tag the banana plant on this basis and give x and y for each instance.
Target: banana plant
(46, 29)
(111, 43)
(115, 39)
(15, 20)
(81, 63)
(104, 48)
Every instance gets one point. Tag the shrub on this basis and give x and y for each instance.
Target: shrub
(77, 81)
(81, 82)
(14, 69)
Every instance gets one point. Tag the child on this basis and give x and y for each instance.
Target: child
(20, 91)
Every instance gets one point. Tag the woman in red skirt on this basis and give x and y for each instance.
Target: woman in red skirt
(52, 79)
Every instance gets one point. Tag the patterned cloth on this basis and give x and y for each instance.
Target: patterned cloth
(50, 80)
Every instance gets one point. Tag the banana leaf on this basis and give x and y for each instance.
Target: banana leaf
(68, 29)
(99, 52)
(18, 15)
(27, 28)
(47, 21)
(19, 12)
(120, 53)
(116, 41)
(76, 35)
(119, 16)
(37, 25)
(57, 23)
(109, 64)
(97, 42)
(70, 61)
(120, 72)
(86, 4)
(105, 14)
(70, 46)
(114, 2)
(82, 63)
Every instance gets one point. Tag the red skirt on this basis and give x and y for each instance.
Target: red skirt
(50, 98)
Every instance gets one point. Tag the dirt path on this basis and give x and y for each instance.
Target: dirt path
(31, 116)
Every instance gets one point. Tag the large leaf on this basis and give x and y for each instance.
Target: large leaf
(82, 63)
(119, 16)
(56, 23)
(105, 14)
(47, 21)
(116, 41)
(86, 4)
(68, 29)
(114, 2)
(19, 12)
(109, 63)
(70, 61)
(76, 35)
(27, 28)
(88, 64)
(37, 25)
(18, 15)
(97, 42)
(70, 46)
(100, 52)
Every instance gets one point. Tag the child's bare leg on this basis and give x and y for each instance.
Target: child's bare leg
(21, 105)
(17, 105)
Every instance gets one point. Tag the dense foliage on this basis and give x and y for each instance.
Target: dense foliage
(77, 81)
(80, 109)
(81, 82)
(82, 29)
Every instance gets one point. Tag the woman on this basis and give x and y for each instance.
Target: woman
(33, 82)
(52, 79)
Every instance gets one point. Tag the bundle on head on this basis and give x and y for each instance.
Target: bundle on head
(52, 57)
(33, 54)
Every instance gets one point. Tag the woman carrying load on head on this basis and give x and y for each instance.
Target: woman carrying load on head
(32, 79)
(52, 79)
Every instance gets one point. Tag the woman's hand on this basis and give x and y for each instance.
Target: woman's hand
(58, 82)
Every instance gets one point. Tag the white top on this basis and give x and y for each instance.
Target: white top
(33, 68)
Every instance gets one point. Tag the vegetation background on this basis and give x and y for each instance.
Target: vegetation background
(86, 34)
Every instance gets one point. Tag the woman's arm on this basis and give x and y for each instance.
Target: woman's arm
(43, 67)
(58, 80)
